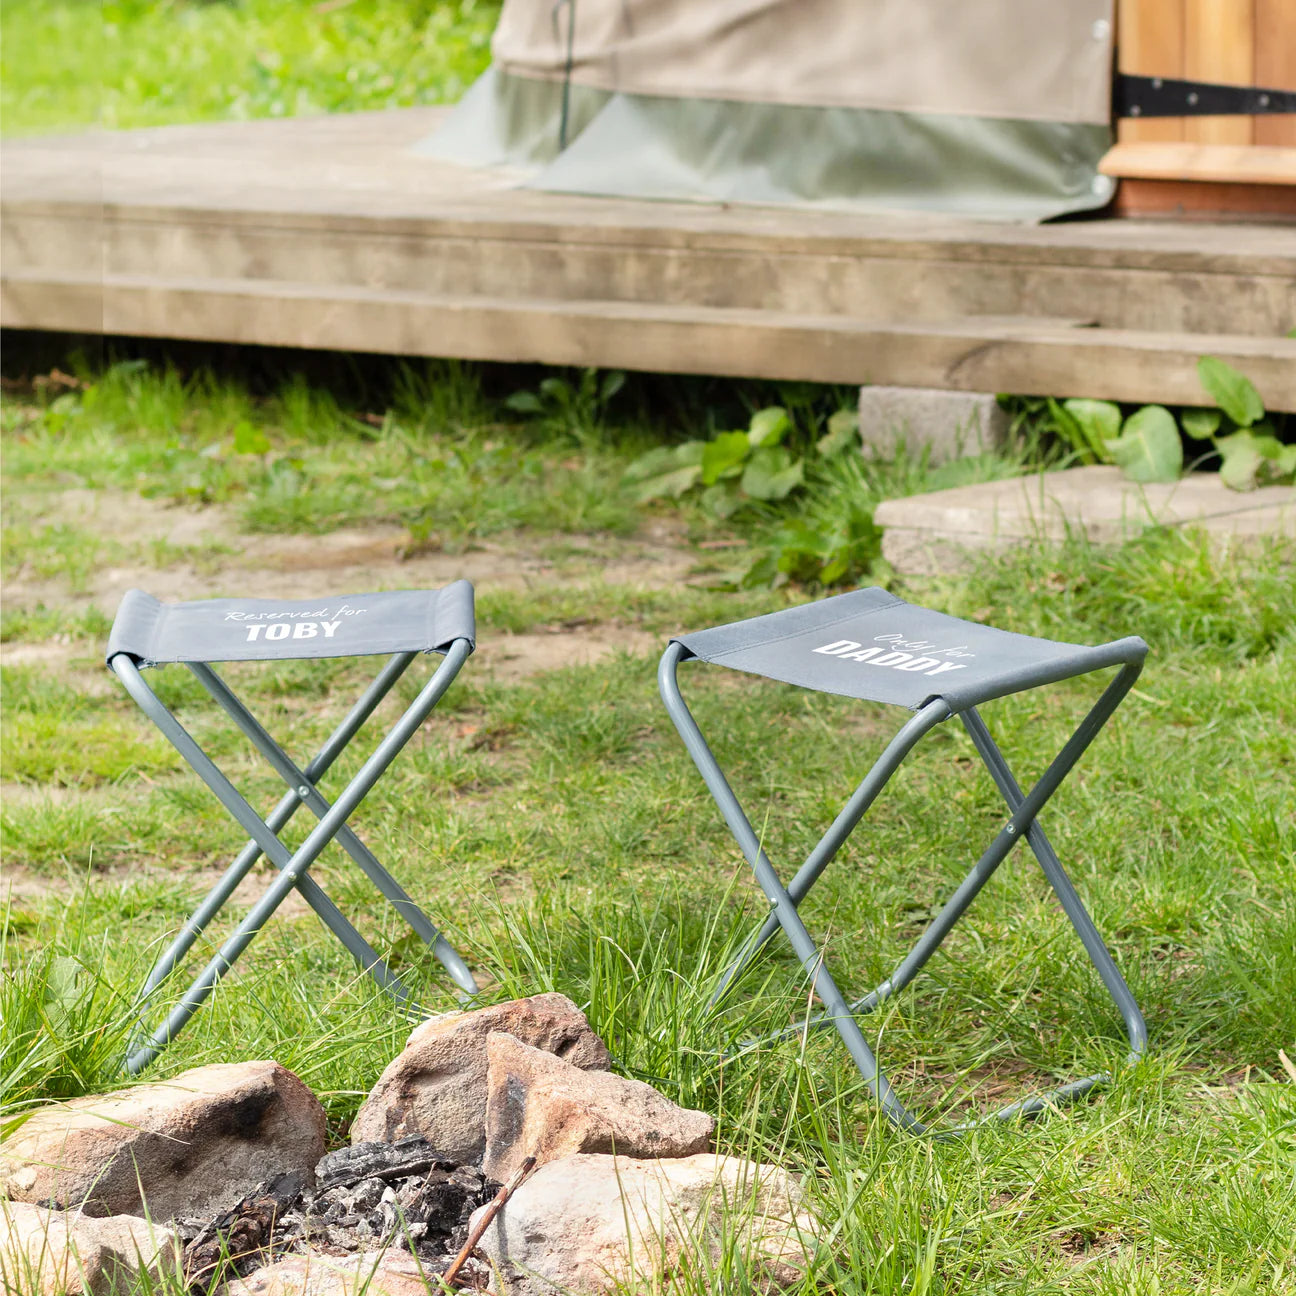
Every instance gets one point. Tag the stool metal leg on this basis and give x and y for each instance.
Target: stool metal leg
(304, 789)
(1023, 812)
(292, 867)
(243, 864)
(1042, 848)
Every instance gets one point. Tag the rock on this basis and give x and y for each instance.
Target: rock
(944, 424)
(376, 1273)
(54, 1253)
(576, 1223)
(437, 1086)
(538, 1105)
(196, 1144)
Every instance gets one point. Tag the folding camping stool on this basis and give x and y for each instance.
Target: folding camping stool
(871, 645)
(404, 624)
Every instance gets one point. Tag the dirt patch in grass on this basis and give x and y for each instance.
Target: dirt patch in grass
(178, 552)
(201, 553)
(19, 883)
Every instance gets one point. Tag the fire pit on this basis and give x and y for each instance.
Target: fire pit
(404, 1195)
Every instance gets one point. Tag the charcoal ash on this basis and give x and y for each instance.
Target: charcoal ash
(368, 1197)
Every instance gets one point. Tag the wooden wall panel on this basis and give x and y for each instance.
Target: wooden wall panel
(1275, 65)
(1219, 45)
(1150, 42)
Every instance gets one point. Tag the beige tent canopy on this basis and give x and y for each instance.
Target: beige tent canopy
(994, 108)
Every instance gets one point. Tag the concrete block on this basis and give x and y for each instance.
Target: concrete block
(939, 532)
(947, 424)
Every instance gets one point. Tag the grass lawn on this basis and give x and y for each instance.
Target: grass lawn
(549, 815)
(124, 63)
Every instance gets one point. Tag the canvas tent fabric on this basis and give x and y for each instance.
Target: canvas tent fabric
(997, 108)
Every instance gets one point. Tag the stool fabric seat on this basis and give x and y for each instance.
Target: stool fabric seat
(152, 633)
(403, 624)
(872, 646)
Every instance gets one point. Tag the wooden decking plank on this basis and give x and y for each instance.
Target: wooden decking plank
(552, 262)
(1042, 357)
(332, 171)
(331, 232)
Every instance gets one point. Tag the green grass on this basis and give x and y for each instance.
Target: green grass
(298, 462)
(128, 63)
(555, 823)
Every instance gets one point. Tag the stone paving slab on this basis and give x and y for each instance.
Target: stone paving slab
(938, 533)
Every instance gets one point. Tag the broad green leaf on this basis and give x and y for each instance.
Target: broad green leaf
(63, 980)
(613, 381)
(650, 464)
(663, 459)
(723, 456)
(1149, 449)
(772, 474)
(1240, 461)
(843, 432)
(1098, 421)
(763, 572)
(1266, 443)
(769, 426)
(524, 402)
(1232, 391)
(722, 500)
(1277, 461)
(558, 390)
(1069, 430)
(1200, 424)
(671, 484)
(250, 440)
(833, 571)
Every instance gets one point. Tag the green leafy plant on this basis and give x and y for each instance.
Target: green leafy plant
(575, 408)
(737, 468)
(1148, 447)
(1250, 453)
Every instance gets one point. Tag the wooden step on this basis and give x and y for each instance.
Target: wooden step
(987, 353)
(1242, 282)
(332, 231)
(344, 200)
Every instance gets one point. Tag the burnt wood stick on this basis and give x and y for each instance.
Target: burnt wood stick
(488, 1215)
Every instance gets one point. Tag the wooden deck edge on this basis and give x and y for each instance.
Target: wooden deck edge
(1219, 163)
(1204, 201)
(1033, 358)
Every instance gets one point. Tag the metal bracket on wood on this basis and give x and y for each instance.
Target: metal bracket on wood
(1147, 96)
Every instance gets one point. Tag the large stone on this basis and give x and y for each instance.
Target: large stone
(57, 1253)
(588, 1222)
(376, 1273)
(946, 424)
(437, 1086)
(940, 532)
(192, 1145)
(538, 1105)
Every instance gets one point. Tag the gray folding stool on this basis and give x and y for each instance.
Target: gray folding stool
(404, 624)
(873, 646)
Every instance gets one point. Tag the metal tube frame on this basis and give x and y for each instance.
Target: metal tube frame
(264, 839)
(1022, 823)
